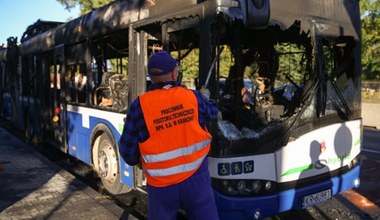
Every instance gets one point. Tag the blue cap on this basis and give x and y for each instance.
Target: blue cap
(161, 63)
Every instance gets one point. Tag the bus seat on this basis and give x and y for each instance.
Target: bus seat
(106, 78)
(103, 97)
(119, 89)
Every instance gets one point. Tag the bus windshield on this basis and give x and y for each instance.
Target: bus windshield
(278, 87)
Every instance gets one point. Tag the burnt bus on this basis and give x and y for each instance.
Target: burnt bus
(285, 75)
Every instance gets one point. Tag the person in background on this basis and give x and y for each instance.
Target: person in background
(165, 131)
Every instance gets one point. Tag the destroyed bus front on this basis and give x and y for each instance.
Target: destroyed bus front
(290, 130)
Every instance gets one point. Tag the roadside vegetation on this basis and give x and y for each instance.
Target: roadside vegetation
(371, 95)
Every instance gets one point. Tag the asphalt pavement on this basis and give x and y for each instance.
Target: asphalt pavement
(33, 187)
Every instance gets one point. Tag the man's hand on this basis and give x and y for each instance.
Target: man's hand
(205, 92)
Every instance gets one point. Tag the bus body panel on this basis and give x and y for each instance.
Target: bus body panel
(328, 154)
(81, 123)
(127, 173)
(245, 208)
(115, 119)
(293, 198)
(7, 106)
(322, 156)
(324, 149)
(77, 137)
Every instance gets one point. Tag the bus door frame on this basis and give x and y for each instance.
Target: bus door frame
(203, 22)
(58, 98)
(137, 78)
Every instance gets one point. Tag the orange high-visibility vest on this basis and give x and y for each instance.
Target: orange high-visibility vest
(177, 145)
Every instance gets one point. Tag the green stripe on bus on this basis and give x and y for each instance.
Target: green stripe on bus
(121, 127)
(298, 170)
(358, 142)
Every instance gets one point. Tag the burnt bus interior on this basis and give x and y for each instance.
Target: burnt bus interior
(111, 84)
(271, 84)
(96, 73)
(80, 72)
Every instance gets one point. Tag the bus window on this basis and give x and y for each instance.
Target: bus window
(112, 92)
(80, 82)
(109, 67)
(76, 84)
(340, 65)
(52, 84)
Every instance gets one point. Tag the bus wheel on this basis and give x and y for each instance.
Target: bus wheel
(108, 163)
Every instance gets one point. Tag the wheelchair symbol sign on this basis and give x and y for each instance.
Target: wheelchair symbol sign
(235, 168)
(224, 169)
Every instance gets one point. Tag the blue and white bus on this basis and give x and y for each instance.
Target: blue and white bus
(286, 75)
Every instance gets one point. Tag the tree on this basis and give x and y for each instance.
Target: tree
(85, 5)
(370, 18)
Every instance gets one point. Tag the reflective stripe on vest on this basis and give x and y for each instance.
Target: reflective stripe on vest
(177, 169)
(176, 153)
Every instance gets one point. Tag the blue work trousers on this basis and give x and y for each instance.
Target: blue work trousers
(194, 195)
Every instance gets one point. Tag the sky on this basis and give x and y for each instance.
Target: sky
(17, 15)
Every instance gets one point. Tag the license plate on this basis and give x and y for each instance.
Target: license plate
(316, 198)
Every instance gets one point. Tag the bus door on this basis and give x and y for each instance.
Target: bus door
(138, 82)
(143, 42)
(55, 104)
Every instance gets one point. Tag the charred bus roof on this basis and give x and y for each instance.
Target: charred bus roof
(119, 15)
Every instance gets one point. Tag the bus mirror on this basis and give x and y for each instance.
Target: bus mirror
(256, 13)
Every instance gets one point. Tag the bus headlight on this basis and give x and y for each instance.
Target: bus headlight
(256, 186)
(268, 186)
(243, 187)
(231, 190)
(256, 215)
(357, 183)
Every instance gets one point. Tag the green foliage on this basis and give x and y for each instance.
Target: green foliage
(291, 62)
(119, 68)
(370, 18)
(190, 64)
(85, 5)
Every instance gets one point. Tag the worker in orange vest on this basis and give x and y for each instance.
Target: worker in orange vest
(165, 131)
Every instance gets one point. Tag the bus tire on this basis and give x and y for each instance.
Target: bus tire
(109, 166)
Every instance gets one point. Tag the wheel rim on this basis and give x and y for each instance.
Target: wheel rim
(108, 163)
